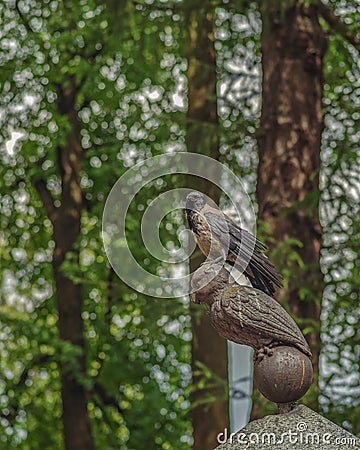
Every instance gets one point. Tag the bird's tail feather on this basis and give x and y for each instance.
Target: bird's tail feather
(262, 274)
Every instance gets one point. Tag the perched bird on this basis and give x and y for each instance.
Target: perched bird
(245, 315)
(219, 238)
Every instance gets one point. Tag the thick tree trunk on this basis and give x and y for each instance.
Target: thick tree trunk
(209, 417)
(293, 45)
(66, 230)
(76, 422)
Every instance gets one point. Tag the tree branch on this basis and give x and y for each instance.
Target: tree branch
(46, 197)
(43, 192)
(107, 399)
(338, 25)
(23, 18)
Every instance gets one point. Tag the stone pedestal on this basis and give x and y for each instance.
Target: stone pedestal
(300, 429)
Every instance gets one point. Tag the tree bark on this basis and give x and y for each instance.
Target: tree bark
(293, 45)
(210, 412)
(66, 230)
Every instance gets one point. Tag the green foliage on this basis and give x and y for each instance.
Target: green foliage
(124, 62)
(239, 67)
(340, 218)
(116, 61)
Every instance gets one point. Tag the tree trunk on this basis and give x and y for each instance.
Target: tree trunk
(209, 416)
(66, 230)
(293, 45)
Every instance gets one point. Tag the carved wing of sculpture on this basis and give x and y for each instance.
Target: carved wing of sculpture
(248, 316)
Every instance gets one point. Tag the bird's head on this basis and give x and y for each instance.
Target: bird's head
(195, 201)
(208, 282)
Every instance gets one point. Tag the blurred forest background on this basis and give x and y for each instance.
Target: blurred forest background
(90, 88)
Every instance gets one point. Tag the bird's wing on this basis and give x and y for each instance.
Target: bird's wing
(244, 246)
(244, 312)
(221, 225)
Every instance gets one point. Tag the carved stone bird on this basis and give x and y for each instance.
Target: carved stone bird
(243, 314)
(220, 239)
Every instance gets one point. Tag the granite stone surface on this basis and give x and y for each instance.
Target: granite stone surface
(302, 428)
